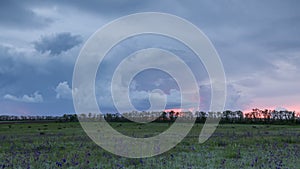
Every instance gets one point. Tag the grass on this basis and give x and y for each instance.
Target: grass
(65, 145)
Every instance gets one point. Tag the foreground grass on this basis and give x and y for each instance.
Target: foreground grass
(65, 145)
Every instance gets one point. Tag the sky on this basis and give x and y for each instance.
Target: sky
(258, 43)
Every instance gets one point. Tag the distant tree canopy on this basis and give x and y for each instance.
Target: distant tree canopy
(64, 118)
(255, 116)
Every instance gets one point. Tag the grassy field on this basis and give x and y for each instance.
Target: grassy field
(65, 145)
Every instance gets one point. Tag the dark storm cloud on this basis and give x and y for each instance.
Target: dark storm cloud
(7, 69)
(6, 63)
(57, 43)
(17, 14)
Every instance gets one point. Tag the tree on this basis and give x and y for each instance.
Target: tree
(164, 116)
(172, 115)
(227, 115)
(108, 117)
(240, 115)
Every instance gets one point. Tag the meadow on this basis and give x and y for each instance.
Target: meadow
(65, 145)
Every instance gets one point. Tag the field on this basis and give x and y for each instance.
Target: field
(65, 145)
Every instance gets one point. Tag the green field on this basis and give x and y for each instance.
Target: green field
(65, 145)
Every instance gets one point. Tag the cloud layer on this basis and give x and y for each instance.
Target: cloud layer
(57, 43)
(16, 14)
(258, 43)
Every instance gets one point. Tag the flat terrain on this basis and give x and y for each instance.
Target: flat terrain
(65, 145)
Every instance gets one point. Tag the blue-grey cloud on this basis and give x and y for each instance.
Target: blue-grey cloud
(106, 7)
(24, 72)
(19, 15)
(57, 43)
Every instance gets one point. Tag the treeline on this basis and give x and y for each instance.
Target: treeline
(64, 118)
(256, 116)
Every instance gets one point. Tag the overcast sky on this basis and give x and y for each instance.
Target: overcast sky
(258, 42)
